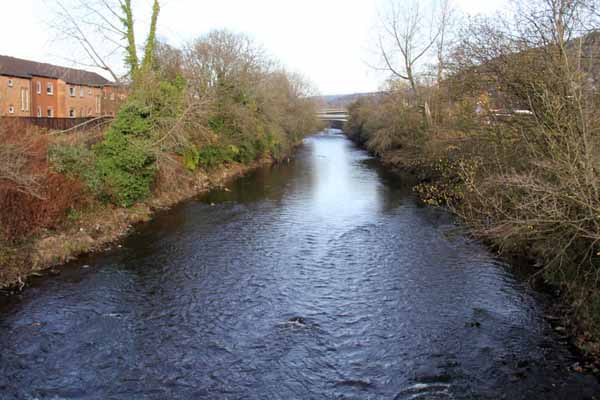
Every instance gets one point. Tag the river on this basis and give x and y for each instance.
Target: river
(321, 278)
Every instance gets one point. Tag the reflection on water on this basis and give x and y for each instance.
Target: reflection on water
(317, 279)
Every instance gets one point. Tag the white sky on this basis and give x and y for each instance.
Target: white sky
(327, 41)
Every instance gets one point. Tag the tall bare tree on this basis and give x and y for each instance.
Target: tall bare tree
(445, 22)
(410, 32)
(407, 36)
(104, 29)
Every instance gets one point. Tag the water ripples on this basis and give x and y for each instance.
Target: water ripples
(319, 279)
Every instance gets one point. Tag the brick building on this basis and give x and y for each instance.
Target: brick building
(32, 89)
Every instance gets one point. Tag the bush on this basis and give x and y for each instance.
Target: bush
(191, 158)
(23, 214)
(247, 152)
(124, 160)
(76, 162)
(126, 167)
(31, 196)
(133, 119)
(212, 156)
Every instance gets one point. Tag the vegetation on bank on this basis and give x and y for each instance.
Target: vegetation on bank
(220, 101)
(509, 137)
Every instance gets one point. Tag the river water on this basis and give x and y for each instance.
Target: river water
(318, 279)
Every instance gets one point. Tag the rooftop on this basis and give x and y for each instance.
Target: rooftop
(27, 69)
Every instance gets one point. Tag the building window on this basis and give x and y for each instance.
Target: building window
(81, 92)
(98, 104)
(112, 97)
(72, 113)
(50, 112)
(10, 83)
(11, 109)
(72, 91)
(50, 89)
(24, 99)
(38, 87)
(39, 112)
(90, 92)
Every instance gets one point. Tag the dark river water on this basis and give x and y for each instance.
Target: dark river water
(318, 279)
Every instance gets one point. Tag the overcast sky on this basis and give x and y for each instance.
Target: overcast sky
(327, 41)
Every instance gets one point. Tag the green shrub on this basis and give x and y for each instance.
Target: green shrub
(76, 162)
(162, 99)
(247, 152)
(191, 158)
(124, 160)
(212, 156)
(126, 167)
(134, 119)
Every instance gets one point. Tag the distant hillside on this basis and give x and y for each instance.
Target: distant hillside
(342, 100)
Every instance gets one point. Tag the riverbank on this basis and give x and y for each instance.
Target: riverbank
(102, 226)
(274, 270)
(563, 313)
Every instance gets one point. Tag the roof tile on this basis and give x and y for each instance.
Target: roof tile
(27, 69)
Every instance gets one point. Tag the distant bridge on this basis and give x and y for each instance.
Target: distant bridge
(336, 117)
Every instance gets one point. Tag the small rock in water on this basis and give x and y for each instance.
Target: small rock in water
(518, 376)
(297, 320)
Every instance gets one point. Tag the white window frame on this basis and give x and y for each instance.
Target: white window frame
(11, 109)
(50, 112)
(38, 87)
(98, 104)
(72, 91)
(11, 83)
(24, 99)
(81, 91)
(39, 112)
(72, 113)
(50, 89)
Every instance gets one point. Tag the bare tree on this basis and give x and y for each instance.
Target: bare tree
(410, 31)
(104, 29)
(407, 37)
(445, 22)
